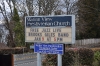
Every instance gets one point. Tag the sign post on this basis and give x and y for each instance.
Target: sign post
(48, 48)
(55, 30)
(59, 60)
(39, 59)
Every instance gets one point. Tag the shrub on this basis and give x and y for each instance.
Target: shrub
(97, 56)
(50, 59)
(86, 56)
(68, 58)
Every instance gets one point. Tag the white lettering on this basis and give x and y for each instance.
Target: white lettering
(46, 19)
(33, 19)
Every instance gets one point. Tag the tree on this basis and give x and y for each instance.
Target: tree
(8, 26)
(89, 15)
(11, 18)
(3, 34)
(18, 29)
(71, 7)
(30, 7)
(46, 7)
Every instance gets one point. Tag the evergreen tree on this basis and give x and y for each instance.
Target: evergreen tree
(18, 29)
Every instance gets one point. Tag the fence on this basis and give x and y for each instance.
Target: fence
(22, 59)
(92, 41)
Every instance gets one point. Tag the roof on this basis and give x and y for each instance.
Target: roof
(3, 46)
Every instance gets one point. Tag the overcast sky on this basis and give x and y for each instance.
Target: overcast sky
(8, 9)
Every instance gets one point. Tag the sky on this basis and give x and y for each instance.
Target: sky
(0, 22)
(8, 9)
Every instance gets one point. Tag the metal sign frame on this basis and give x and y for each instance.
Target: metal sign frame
(51, 48)
(71, 26)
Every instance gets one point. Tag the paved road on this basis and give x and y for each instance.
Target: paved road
(27, 64)
(26, 60)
